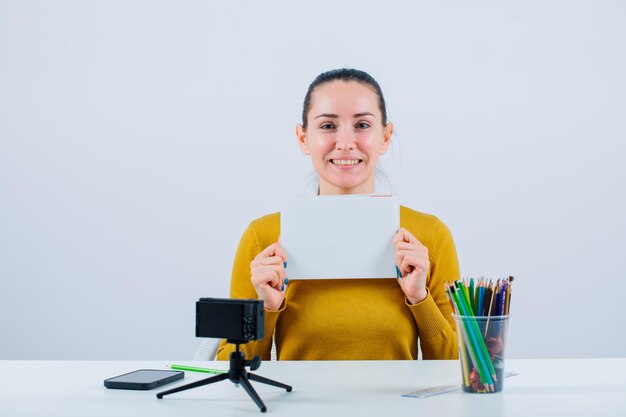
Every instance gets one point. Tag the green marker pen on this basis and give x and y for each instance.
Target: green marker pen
(195, 369)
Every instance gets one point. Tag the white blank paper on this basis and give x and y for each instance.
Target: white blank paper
(329, 237)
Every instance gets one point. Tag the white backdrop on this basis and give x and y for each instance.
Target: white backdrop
(139, 138)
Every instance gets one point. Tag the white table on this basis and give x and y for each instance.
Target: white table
(551, 387)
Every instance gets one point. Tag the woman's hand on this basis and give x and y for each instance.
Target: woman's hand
(413, 264)
(268, 275)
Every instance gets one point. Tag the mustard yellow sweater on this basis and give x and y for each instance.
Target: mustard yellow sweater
(353, 318)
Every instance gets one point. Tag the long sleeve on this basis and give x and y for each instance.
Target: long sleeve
(354, 319)
(241, 287)
(436, 328)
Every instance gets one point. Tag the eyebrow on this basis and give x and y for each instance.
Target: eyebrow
(334, 116)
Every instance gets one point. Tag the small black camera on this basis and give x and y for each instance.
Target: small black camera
(238, 321)
(230, 318)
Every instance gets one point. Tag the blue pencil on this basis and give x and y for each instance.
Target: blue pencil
(472, 297)
(481, 299)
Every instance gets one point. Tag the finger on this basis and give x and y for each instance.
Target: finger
(269, 251)
(406, 236)
(408, 246)
(275, 284)
(280, 251)
(398, 237)
(272, 260)
(280, 272)
(402, 254)
(261, 276)
(420, 253)
(410, 264)
(270, 286)
(273, 274)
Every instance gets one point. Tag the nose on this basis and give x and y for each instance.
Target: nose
(345, 140)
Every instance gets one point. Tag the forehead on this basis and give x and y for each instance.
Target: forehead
(339, 97)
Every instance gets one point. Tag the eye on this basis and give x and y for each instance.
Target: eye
(362, 125)
(327, 126)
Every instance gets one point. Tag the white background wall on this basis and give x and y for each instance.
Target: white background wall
(139, 138)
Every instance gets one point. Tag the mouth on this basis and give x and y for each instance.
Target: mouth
(346, 162)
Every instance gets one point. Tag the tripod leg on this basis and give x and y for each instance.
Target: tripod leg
(243, 380)
(268, 381)
(200, 383)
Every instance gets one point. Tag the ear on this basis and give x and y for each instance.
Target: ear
(302, 142)
(387, 132)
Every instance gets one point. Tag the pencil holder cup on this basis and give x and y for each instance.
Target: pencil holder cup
(482, 343)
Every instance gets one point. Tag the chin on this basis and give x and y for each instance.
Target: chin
(347, 187)
(344, 182)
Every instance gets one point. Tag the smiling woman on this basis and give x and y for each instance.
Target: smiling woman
(345, 130)
(347, 134)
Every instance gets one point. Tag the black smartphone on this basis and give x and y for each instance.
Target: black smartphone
(143, 379)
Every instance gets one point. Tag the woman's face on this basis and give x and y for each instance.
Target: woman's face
(344, 136)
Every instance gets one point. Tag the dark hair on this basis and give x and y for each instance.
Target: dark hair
(344, 74)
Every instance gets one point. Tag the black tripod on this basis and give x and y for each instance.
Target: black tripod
(238, 374)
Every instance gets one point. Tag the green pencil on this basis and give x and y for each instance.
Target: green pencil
(483, 372)
(475, 333)
(195, 369)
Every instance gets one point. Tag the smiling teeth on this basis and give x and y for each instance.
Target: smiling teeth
(345, 161)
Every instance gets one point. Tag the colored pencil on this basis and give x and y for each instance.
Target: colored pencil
(483, 353)
(465, 330)
(471, 298)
